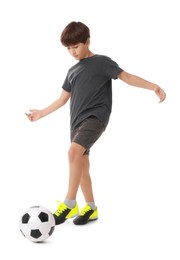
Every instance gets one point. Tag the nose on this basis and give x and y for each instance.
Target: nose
(73, 52)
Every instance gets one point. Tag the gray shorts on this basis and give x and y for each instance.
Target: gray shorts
(87, 133)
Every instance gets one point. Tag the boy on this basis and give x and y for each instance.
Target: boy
(88, 86)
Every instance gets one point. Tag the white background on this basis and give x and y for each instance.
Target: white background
(134, 166)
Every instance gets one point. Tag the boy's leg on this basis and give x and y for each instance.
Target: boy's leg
(85, 182)
(76, 160)
(69, 208)
(83, 136)
(89, 212)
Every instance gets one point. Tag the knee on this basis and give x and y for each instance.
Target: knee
(73, 154)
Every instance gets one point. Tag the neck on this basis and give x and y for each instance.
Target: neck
(89, 54)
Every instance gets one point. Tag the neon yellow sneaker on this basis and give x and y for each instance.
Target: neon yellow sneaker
(87, 214)
(63, 213)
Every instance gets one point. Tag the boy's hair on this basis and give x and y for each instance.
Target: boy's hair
(74, 33)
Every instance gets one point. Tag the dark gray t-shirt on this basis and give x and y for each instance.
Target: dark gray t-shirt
(90, 84)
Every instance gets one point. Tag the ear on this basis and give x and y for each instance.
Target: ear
(88, 42)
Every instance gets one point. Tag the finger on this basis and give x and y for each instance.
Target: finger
(162, 98)
(27, 114)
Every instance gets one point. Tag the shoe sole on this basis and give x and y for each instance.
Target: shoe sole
(84, 223)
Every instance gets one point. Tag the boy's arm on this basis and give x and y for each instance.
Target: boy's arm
(142, 83)
(61, 101)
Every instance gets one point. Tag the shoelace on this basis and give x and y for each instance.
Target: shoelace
(62, 207)
(85, 210)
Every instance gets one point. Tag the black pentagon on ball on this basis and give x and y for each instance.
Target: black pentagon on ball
(25, 218)
(35, 233)
(43, 217)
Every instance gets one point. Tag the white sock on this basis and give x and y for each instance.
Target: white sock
(92, 205)
(70, 203)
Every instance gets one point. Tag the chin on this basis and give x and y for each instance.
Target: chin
(76, 58)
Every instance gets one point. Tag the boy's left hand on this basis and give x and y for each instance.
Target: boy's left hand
(160, 93)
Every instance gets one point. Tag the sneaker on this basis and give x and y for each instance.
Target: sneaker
(87, 214)
(63, 213)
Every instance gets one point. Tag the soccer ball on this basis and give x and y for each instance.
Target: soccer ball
(37, 223)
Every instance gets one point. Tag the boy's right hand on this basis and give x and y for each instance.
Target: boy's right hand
(33, 115)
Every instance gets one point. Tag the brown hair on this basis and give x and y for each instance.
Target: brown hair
(74, 33)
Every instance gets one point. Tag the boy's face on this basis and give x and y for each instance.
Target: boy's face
(80, 50)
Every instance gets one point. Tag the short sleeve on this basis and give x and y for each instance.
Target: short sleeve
(112, 69)
(66, 85)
